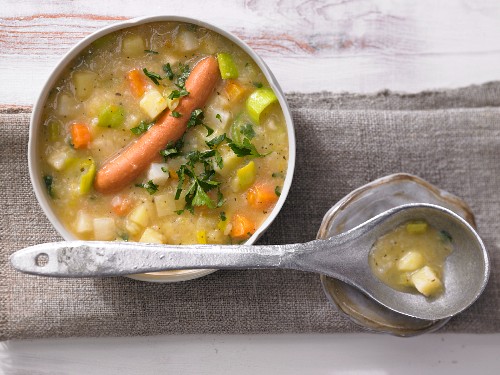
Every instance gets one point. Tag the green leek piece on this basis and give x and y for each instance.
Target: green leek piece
(417, 227)
(53, 130)
(227, 67)
(241, 128)
(246, 176)
(111, 116)
(258, 101)
(87, 178)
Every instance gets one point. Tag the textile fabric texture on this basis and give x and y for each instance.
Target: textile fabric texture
(449, 138)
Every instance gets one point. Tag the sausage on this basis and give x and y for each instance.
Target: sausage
(133, 160)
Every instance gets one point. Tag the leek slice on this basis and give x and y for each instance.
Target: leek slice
(87, 177)
(258, 101)
(227, 67)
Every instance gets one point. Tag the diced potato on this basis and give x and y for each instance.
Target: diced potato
(104, 229)
(83, 82)
(426, 281)
(245, 177)
(133, 228)
(153, 103)
(140, 215)
(133, 46)
(158, 173)
(215, 236)
(187, 41)
(58, 159)
(66, 105)
(165, 204)
(201, 237)
(229, 159)
(411, 261)
(84, 222)
(152, 236)
(417, 227)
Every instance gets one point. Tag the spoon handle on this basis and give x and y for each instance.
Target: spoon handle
(93, 259)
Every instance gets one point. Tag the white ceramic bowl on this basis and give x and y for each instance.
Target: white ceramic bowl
(36, 123)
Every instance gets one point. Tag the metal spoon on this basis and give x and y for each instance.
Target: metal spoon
(344, 257)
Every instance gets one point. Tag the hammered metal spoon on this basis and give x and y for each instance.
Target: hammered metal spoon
(344, 257)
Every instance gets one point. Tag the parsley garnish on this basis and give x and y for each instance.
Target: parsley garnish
(175, 114)
(165, 170)
(277, 191)
(150, 187)
(196, 118)
(215, 141)
(151, 52)
(143, 127)
(258, 85)
(247, 130)
(48, 180)
(178, 93)
(181, 79)
(168, 71)
(155, 77)
(217, 116)
(222, 216)
(201, 184)
(245, 149)
(173, 149)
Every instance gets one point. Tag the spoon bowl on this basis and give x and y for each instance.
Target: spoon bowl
(344, 257)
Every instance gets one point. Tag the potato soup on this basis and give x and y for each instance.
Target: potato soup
(215, 181)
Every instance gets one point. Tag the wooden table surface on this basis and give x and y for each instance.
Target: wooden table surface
(312, 45)
(341, 45)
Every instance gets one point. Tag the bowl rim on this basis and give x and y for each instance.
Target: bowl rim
(35, 123)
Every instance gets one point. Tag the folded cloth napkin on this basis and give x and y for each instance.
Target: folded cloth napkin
(450, 138)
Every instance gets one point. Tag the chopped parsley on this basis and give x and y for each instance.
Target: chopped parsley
(217, 116)
(183, 76)
(173, 149)
(168, 71)
(150, 187)
(151, 52)
(258, 85)
(155, 77)
(178, 94)
(48, 180)
(175, 114)
(222, 216)
(277, 190)
(196, 118)
(143, 127)
(277, 175)
(165, 170)
(245, 149)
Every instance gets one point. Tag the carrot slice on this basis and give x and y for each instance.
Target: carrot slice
(261, 196)
(80, 135)
(242, 227)
(137, 82)
(234, 90)
(121, 205)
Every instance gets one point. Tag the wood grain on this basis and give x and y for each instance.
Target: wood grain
(353, 45)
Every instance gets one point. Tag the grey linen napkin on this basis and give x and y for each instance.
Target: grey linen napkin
(450, 138)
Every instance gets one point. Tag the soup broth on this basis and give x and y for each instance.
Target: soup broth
(215, 184)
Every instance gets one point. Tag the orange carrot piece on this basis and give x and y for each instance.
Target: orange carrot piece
(242, 227)
(137, 82)
(80, 135)
(261, 196)
(121, 205)
(234, 90)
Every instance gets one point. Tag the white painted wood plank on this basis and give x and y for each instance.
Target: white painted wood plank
(255, 354)
(360, 46)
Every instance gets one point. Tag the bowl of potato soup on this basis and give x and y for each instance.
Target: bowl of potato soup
(161, 130)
